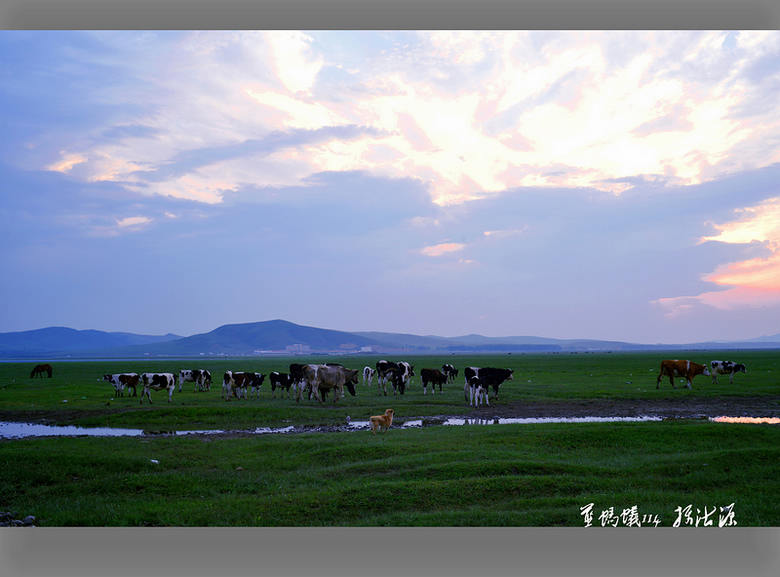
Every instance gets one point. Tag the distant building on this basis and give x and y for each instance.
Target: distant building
(298, 349)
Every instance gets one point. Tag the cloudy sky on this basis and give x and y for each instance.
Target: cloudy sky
(615, 185)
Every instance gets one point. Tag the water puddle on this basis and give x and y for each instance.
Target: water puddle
(459, 421)
(9, 430)
(748, 420)
(24, 430)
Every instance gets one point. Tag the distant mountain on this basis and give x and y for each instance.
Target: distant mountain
(767, 339)
(279, 337)
(265, 337)
(63, 340)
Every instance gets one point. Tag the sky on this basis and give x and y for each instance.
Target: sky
(607, 185)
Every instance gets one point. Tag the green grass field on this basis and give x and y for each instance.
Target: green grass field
(519, 475)
(76, 394)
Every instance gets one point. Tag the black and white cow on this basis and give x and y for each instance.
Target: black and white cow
(395, 376)
(382, 368)
(234, 384)
(201, 378)
(476, 391)
(433, 376)
(157, 382)
(280, 381)
(368, 375)
(297, 376)
(450, 371)
(402, 371)
(253, 381)
(489, 377)
(726, 368)
(407, 372)
(122, 381)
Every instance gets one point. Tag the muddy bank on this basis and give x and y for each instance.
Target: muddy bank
(686, 408)
(598, 409)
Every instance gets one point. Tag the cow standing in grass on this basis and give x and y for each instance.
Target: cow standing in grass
(279, 381)
(234, 384)
(487, 378)
(400, 374)
(122, 381)
(450, 371)
(476, 392)
(434, 377)
(201, 378)
(253, 381)
(726, 368)
(368, 375)
(324, 378)
(677, 368)
(158, 382)
(297, 377)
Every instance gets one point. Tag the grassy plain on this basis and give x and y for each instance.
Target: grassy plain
(518, 475)
(76, 395)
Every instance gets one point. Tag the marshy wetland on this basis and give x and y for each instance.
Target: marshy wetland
(566, 431)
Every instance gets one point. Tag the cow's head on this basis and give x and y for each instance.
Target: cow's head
(350, 380)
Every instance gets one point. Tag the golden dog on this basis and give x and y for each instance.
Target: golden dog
(382, 422)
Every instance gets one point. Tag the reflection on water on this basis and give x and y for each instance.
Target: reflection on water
(21, 430)
(456, 421)
(268, 430)
(544, 420)
(24, 430)
(749, 420)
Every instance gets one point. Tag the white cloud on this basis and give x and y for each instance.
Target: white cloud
(468, 113)
(133, 221)
(293, 60)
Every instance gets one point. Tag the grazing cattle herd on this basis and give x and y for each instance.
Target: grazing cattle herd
(320, 380)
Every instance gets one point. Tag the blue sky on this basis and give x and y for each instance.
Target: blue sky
(614, 185)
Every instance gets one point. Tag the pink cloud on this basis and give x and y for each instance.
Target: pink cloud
(442, 248)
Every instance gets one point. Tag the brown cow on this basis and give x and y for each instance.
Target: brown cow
(234, 384)
(324, 378)
(122, 381)
(686, 369)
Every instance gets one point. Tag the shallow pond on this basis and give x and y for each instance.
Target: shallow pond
(10, 430)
